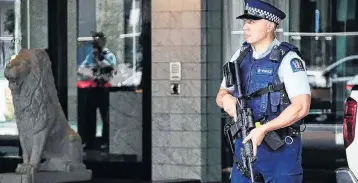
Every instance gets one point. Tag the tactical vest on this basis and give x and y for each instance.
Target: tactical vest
(260, 83)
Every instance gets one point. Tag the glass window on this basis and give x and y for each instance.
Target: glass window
(7, 29)
(345, 69)
(325, 32)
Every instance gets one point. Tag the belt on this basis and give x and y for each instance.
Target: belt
(289, 131)
(283, 132)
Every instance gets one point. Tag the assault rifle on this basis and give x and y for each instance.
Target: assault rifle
(243, 125)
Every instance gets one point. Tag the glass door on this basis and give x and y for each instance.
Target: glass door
(109, 82)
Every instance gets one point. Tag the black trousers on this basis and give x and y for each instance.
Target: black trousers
(89, 100)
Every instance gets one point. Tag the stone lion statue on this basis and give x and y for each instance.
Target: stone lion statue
(44, 132)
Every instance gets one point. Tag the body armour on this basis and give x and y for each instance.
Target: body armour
(260, 82)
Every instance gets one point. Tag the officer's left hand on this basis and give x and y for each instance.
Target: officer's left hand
(256, 135)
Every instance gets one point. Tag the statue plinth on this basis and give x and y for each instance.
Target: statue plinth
(46, 177)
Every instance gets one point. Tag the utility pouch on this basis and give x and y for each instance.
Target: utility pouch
(273, 140)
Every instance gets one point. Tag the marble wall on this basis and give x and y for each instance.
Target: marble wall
(125, 127)
(72, 20)
(186, 128)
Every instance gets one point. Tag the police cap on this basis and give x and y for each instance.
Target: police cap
(256, 9)
(98, 35)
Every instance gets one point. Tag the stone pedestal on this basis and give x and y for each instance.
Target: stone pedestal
(125, 128)
(46, 177)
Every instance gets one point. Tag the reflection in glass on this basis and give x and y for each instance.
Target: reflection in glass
(7, 49)
(120, 22)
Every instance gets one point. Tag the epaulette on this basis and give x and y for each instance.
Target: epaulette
(278, 52)
(245, 49)
(245, 46)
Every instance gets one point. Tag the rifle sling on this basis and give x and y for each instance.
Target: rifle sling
(268, 89)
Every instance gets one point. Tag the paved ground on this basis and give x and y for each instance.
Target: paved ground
(310, 176)
(136, 181)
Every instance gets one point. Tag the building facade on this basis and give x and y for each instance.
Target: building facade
(163, 116)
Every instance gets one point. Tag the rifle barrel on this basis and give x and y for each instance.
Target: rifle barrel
(238, 83)
(251, 170)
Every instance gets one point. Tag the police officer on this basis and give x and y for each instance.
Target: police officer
(99, 56)
(101, 61)
(273, 76)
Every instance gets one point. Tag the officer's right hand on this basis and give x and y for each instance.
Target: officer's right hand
(229, 105)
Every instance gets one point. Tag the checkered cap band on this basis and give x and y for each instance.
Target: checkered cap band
(264, 14)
